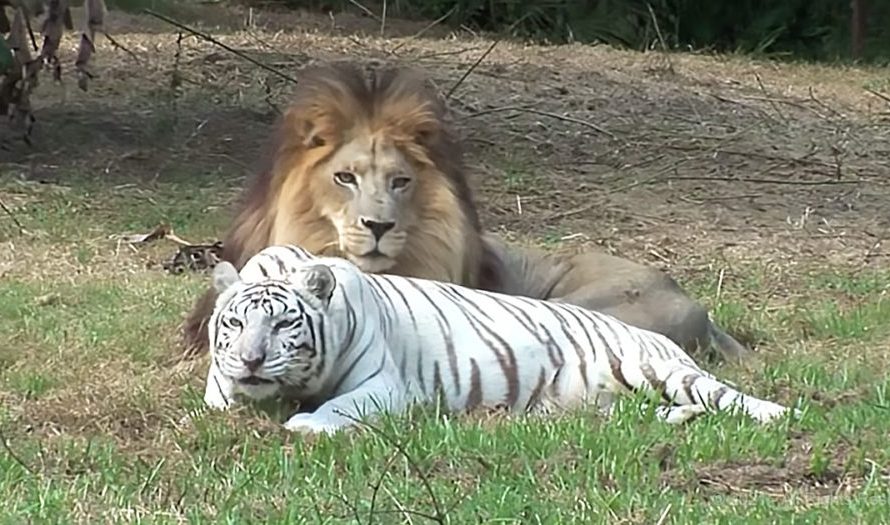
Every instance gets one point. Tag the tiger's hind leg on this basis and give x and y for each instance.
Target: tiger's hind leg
(692, 391)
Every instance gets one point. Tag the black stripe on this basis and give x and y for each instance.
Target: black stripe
(556, 311)
(453, 292)
(281, 267)
(523, 318)
(373, 374)
(351, 322)
(351, 367)
(401, 295)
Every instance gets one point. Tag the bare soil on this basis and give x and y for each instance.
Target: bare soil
(813, 480)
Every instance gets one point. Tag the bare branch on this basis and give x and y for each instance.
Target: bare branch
(208, 38)
(470, 70)
(557, 116)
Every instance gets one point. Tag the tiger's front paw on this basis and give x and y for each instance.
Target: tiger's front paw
(219, 391)
(216, 399)
(310, 424)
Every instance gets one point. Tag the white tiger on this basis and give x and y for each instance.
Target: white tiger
(321, 331)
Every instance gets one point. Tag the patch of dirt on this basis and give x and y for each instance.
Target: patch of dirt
(797, 472)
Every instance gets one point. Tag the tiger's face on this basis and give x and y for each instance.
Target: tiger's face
(268, 335)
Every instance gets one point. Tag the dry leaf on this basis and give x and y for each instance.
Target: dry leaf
(18, 38)
(159, 232)
(47, 299)
(52, 29)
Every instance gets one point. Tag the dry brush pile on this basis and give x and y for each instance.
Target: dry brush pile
(22, 59)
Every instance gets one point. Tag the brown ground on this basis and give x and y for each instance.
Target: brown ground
(666, 159)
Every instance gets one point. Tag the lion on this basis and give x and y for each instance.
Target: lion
(369, 170)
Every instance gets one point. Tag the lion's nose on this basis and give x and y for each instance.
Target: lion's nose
(378, 228)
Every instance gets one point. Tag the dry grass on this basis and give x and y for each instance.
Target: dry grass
(93, 406)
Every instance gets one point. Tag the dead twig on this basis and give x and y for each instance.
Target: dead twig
(15, 457)
(603, 201)
(728, 100)
(12, 216)
(557, 116)
(661, 40)
(667, 510)
(440, 54)
(383, 20)
(365, 10)
(771, 102)
(429, 26)
(805, 159)
(470, 70)
(208, 38)
(754, 180)
(120, 46)
(823, 105)
(878, 94)
(439, 513)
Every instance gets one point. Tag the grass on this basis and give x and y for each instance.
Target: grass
(93, 409)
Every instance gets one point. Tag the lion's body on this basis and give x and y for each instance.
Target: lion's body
(638, 295)
(394, 126)
(320, 330)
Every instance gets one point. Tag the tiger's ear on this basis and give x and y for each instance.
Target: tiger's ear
(319, 281)
(224, 276)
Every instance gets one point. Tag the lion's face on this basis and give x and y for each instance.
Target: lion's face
(371, 185)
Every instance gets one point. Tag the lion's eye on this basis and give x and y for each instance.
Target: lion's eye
(345, 178)
(400, 182)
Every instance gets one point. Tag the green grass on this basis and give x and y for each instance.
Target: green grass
(92, 407)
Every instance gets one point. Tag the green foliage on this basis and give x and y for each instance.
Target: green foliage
(6, 59)
(807, 29)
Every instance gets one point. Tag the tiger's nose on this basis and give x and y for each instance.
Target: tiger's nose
(378, 228)
(253, 361)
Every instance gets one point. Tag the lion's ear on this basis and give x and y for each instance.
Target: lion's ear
(414, 119)
(427, 129)
(307, 128)
(307, 133)
(313, 135)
